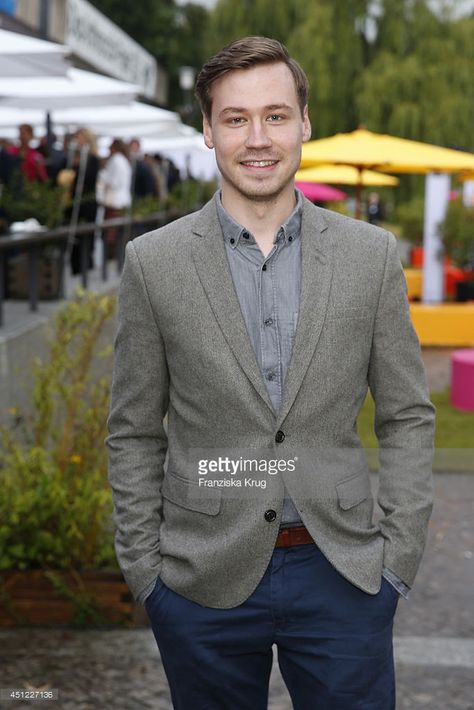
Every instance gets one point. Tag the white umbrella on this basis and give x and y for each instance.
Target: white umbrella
(23, 56)
(121, 121)
(109, 120)
(77, 89)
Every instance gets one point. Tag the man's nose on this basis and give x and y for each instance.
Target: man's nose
(257, 136)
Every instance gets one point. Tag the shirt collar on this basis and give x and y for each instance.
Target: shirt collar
(234, 232)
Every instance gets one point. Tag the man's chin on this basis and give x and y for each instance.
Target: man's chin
(264, 192)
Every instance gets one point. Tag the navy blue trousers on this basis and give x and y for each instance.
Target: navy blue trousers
(334, 641)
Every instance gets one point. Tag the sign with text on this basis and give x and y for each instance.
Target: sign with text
(97, 40)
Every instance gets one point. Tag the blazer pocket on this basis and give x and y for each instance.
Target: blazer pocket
(353, 490)
(352, 312)
(189, 495)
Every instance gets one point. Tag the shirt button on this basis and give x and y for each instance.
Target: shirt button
(232, 241)
(290, 239)
(268, 321)
(270, 376)
(264, 267)
(246, 235)
(270, 516)
(279, 437)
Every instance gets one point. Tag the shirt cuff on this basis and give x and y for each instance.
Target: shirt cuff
(145, 593)
(396, 582)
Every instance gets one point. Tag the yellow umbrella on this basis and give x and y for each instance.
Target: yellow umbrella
(345, 175)
(363, 149)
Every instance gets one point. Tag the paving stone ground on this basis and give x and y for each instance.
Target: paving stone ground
(434, 637)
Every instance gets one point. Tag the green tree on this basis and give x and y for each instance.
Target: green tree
(152, 23)
(419, 82)
(331, 66)
(231, 19)
(174, 35)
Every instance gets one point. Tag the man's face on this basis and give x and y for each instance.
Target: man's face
(257, 130)
(24, 135)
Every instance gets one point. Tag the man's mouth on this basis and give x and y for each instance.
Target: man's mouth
(258, 163)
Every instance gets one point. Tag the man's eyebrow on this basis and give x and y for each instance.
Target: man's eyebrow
(270, 107)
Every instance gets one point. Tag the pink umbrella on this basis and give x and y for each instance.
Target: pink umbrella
(320, 193)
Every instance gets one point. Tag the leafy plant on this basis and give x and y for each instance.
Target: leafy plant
(143, 206)
(43, 201)
(189, 194)
(457, 232)
(410, 217)
(55, 507)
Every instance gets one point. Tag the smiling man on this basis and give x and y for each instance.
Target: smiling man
(257, 325)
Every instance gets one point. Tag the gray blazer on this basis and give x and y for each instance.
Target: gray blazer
(182, 349)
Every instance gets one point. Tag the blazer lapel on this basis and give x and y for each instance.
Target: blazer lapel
(316, 277)
(214, 273)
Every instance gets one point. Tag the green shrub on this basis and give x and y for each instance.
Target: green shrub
(410, 217)
(457, 233)
(43, 201)
(55, 505)
(190, 194)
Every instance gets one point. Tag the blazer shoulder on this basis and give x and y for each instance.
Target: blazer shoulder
(353, 235)
(170, 236)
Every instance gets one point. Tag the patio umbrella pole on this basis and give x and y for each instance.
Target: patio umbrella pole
(359, 193)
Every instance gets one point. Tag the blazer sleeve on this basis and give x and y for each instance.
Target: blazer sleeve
(404, 424)
(137, 441)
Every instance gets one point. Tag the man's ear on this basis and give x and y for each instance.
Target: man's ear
(207, 131)
(306, 125)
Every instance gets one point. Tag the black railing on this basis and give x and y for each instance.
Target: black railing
(34, 244)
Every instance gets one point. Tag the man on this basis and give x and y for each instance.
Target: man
(31, 161)
(143, 179)
(257, 325)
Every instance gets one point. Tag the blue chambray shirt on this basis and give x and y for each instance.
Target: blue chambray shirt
(268, 290)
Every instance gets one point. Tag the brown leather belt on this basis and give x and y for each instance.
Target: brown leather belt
(293, 536)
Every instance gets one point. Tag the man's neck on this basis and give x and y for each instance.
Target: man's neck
(261, 218)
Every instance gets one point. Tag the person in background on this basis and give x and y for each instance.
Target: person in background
(32, 164)
(85, 167)
(54, 156)
(160, 171)
(114, 189)
(374, 209)
(143, 180)
(8, 167)
(8, 163)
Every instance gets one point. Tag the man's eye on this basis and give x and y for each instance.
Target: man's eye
(236, 121)
(275, 117)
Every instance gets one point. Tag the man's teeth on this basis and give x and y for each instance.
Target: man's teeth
(260, 163)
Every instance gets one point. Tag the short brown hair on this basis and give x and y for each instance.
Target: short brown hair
(246, 53)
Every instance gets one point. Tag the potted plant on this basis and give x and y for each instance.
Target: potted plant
(457, 233)
(410, 216)
(57, 562)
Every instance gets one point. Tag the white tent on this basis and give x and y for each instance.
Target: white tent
(110, 120)
(23, 56)
(77, 89)
(134, 120)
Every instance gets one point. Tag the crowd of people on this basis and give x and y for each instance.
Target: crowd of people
(104, 187)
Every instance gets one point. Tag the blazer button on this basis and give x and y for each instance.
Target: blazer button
(270, 516)
(279, 437)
